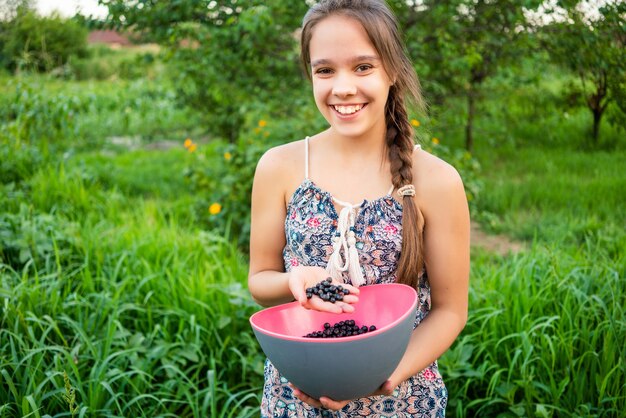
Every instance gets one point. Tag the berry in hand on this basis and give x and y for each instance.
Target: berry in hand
(327, 291)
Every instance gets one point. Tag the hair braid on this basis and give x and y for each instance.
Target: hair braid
(399, 141)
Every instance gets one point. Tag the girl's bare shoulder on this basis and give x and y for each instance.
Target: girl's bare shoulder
(283, 165)
(283, 158)
(435, 179)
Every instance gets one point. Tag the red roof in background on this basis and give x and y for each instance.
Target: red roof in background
(107, 37)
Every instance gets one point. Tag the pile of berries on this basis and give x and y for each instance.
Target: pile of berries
(346, 328)
(327, 291)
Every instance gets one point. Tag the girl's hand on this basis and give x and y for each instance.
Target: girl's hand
(302, 277)
(327, 403)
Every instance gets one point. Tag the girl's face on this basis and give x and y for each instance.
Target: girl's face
(350, 84)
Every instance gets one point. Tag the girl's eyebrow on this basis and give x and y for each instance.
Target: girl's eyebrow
(360, 58)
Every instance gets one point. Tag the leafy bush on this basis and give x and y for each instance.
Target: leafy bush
(18, 162)
(28, 236)
(31, 42)
(226, 56)
(38, 111)
(32, 116)
(102, 63)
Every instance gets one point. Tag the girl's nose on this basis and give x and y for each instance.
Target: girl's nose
(344, 86)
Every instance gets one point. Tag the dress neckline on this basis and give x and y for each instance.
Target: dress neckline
(308, 183)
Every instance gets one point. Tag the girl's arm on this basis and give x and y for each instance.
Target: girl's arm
(268, 282)
(446, 245)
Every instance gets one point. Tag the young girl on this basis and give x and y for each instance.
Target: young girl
(360, 203)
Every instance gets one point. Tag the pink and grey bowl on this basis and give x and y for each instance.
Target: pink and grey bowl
(339, 368)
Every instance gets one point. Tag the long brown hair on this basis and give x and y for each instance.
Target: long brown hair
(382, 28)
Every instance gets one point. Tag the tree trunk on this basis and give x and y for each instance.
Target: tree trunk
(469, 126)
(597, 117)
(597, 103)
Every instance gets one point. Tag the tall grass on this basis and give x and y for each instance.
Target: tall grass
(145, 314)
(45, 110)
(545, 337)
(557, 197)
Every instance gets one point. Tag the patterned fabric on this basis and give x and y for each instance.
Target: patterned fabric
(309, 226)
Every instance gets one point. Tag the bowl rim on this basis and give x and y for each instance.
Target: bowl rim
(333, 340)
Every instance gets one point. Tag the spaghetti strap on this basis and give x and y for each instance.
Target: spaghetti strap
(306, 158)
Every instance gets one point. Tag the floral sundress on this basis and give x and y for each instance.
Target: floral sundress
(310, 225)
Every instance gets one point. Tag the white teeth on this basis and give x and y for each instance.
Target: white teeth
(348, 110)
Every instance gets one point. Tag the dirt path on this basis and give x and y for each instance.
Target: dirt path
(499, 244)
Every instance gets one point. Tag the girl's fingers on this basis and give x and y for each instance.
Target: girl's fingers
(305, 398)
(334, 405)
(320, 305)
(350, 298)
(346, 307)
(386, 388)
(353, 290)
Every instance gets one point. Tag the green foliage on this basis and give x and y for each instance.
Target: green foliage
(38, 111)
(595, 52)
(544, 338)
(124, 296)
(31, 42)
(235, 57)
(27, 237)
(459, 44)
(18, 161)
(222, 172)
(102, 63)
(30, 115)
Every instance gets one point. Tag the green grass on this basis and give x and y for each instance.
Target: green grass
(555, 197)
(544, 338)
(146, 314)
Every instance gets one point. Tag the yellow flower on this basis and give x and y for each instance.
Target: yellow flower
(228, 156)
(266, 134)
(215, 208)
(192, 147)
(415, 122)
(435, 141)
(188, 142)
(262, 123)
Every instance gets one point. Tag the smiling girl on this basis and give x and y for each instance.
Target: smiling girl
(361, 203)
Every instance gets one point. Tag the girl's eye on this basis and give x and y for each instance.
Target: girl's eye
(323, 71)
(363, 67)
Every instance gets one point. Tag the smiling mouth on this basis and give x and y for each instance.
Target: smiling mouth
(348, 110)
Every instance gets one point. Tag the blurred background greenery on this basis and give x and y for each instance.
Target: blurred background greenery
(127, 149)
